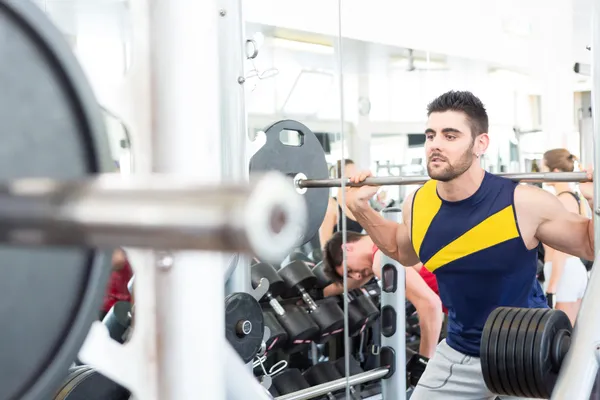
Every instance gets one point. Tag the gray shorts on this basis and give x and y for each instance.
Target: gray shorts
(453, 375)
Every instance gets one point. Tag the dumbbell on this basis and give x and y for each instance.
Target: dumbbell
(364, 301)
(118, 321)
(355, 368)
(298, 256)
(327, 314)
(279, 336)
(295, 320)
(316, 255)
(357, 318)
(415, 366)
(289, 381)
(326, 372)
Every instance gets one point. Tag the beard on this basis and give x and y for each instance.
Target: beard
(449, 171)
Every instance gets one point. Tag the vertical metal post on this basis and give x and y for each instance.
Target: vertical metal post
(395, 387)
(234, 162)
(578, 371)
(184, 90)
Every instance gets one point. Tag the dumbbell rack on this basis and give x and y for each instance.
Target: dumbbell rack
(189, 105)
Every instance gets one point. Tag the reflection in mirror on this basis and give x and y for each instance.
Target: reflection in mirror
(120, 142)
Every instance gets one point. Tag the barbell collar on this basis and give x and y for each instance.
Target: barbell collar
(534, 177)
(263, 218)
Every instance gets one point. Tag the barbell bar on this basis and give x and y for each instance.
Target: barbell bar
(263, 218)
(538, 177)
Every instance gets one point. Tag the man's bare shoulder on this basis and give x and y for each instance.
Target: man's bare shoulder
(529, 197)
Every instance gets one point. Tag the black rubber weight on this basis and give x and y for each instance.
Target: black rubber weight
(243, 312)
(528, 349)
(505, 358)
(52, 127)
(84, 383)
(544, 373)
(521, 352)
(511, 352)
(493, 350)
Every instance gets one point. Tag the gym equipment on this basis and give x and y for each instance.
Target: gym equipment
(278, 336)
(307, 157)
(290, 381)
(415, 366)
(323, 280)
(305, 164)
(357, 317)
(118, 321)
(327, 314)
(52, 130)
(365, 302)
(326, 372)
(84, 383)
(522, 350)
(300, 327)
(338, 384)
(298, 256)
(244, 324)
(316, 255)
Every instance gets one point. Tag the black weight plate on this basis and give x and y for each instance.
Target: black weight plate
(511, 352)
(505, 360)
(548, 328)
(84, 383)
(52, 127)
(244, 324)
(308, 159)
(493, 351)
(487, 350)
(521, 351)
(529, 356)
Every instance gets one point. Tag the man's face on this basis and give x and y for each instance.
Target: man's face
(358, 266)
(449, 145)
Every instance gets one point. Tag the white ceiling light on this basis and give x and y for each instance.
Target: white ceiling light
(301, 46)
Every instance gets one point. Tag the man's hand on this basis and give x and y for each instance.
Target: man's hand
(357, 198)
(587, 188)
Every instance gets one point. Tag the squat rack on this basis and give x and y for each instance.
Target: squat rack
(189, 68)
(579, 369)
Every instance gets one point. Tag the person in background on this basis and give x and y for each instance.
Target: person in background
(565, 275)
(333, 215)
(120, 276)
(364, 263)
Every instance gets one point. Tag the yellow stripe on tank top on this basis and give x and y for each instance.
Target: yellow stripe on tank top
(497, 228)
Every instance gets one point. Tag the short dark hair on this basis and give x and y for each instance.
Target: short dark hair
(338, 166)
(465, 102)
(333, 255)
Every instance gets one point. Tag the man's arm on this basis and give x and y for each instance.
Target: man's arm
(390, 237)
(555, 225)
(558, 258)
(338, 288)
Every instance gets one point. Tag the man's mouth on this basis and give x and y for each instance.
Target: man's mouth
(436, 159)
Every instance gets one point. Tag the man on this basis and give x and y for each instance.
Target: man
(364, 262)
(477, 232)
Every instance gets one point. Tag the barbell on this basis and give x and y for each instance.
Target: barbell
(303, 161)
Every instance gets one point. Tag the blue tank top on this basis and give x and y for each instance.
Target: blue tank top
(475, 249)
